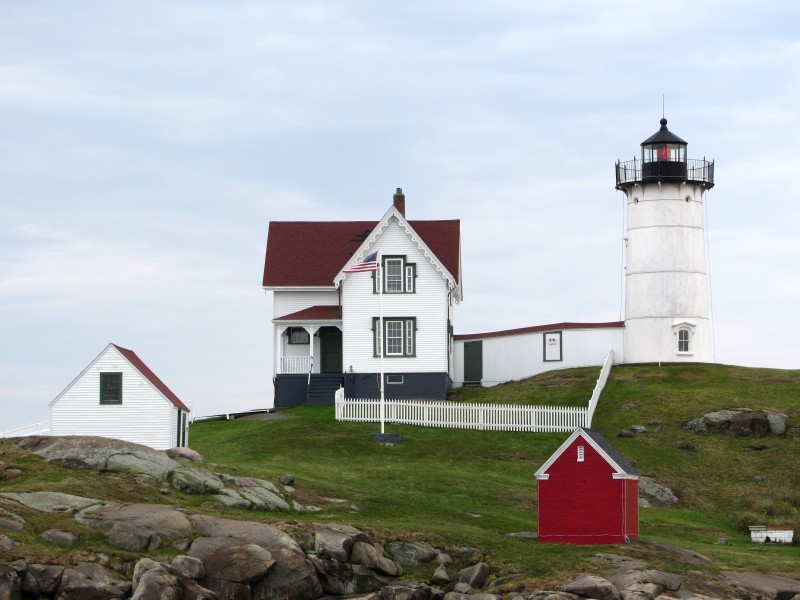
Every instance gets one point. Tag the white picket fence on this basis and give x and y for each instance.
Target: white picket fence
(486, 417)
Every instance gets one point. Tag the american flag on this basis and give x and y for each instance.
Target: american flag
(368, 263)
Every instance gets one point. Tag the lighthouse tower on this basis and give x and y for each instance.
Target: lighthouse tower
(667, 308)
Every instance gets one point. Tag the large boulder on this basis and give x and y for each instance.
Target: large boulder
(654, 494)
(764, 587)
(196, 481)
(375, 558)
(133, 537)
(166, 521)
(412, 553)
(184, 453)
(336, 541)
(74, 585)
(231, 560)
(41, 580)
(592, 586)
(475, 576)
(51, 502)
(292, 578)
(83, 451)
(749, 423)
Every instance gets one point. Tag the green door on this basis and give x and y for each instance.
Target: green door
(331, 342)
(473, 362)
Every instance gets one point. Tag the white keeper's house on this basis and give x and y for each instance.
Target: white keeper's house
(325, 321)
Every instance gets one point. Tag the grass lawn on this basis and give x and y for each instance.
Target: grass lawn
(458, 489)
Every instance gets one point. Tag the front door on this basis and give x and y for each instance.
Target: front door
(331, 342)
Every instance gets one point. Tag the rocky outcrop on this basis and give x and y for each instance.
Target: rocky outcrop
(654, 494)
(740, 422)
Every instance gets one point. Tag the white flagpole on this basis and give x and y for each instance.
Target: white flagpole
(383, 342)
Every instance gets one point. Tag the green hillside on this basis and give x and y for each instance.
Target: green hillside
(456, 488)
(465, 491)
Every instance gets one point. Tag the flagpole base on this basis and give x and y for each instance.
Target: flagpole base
(387, 438)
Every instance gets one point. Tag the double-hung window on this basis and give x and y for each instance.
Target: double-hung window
(399, 276)
(399, 335)
(110, 388)
(683, 341)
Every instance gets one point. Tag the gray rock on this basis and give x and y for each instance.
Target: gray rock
(10, 582)
(591, 586)
(155, 581)
(263, 499)
(231, 560)
(647, 582)
(443, 558)
(64, 539)
(336, 541)
(411, 553)
(100, 574)
(265, 535)
(287, 480)
(475, 576)
(189, 566)
(41, 579)
(463, 596)
(51, 502)
(74, 585)
(720, 420)
(407, 591)
(292, 578)
(617, 560)
(11, 521)
(232, 499)
(333, 575)
(7, 544)
(697, 425)
(749, 423)
(638, 429)
(689, 557)
(654, 494)
(196, 481)
(777, 422)
(133, 537)
(166, 521)
(764, 587)
(365, 580)
(440, 576)
(185, 454)
(155, 465)
(374, 558)
(80, 451)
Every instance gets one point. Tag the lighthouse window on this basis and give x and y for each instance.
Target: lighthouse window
(683, 341)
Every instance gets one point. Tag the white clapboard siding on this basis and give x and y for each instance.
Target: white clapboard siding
(288, 302)
(457, 415)
(145, 416)
(521, 355)
(428, 304)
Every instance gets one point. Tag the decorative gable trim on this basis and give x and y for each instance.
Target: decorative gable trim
(620, 471)
(368, 244)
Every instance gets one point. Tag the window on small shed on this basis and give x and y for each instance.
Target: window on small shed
(110, 388)
(580, 453)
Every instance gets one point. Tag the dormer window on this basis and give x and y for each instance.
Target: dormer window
(398, 276)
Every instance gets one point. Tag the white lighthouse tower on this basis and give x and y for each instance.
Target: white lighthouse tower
(667, 307)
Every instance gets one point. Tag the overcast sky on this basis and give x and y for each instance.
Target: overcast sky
(147, 145)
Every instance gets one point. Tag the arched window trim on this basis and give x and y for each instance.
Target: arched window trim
(684, 338)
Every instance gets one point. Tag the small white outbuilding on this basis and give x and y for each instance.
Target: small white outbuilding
(118, 396)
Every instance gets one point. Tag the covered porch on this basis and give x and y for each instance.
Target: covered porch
(308, 356)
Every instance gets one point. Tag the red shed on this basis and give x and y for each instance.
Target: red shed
(588, 493)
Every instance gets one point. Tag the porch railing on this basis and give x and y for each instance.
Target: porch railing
(296, 364)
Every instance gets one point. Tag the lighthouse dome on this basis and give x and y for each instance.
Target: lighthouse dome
(664, 136)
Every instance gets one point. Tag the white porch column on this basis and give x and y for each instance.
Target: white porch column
(279, 331)
(311, 329)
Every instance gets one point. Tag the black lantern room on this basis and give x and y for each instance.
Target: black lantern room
(664, 159)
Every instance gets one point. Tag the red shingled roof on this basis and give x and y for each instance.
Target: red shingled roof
(537, 328)
(130, 355)
(311, 253)
(315, 313)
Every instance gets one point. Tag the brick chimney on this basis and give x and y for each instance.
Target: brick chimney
(399, 201)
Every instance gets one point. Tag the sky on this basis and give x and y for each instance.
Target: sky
(147, 145)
